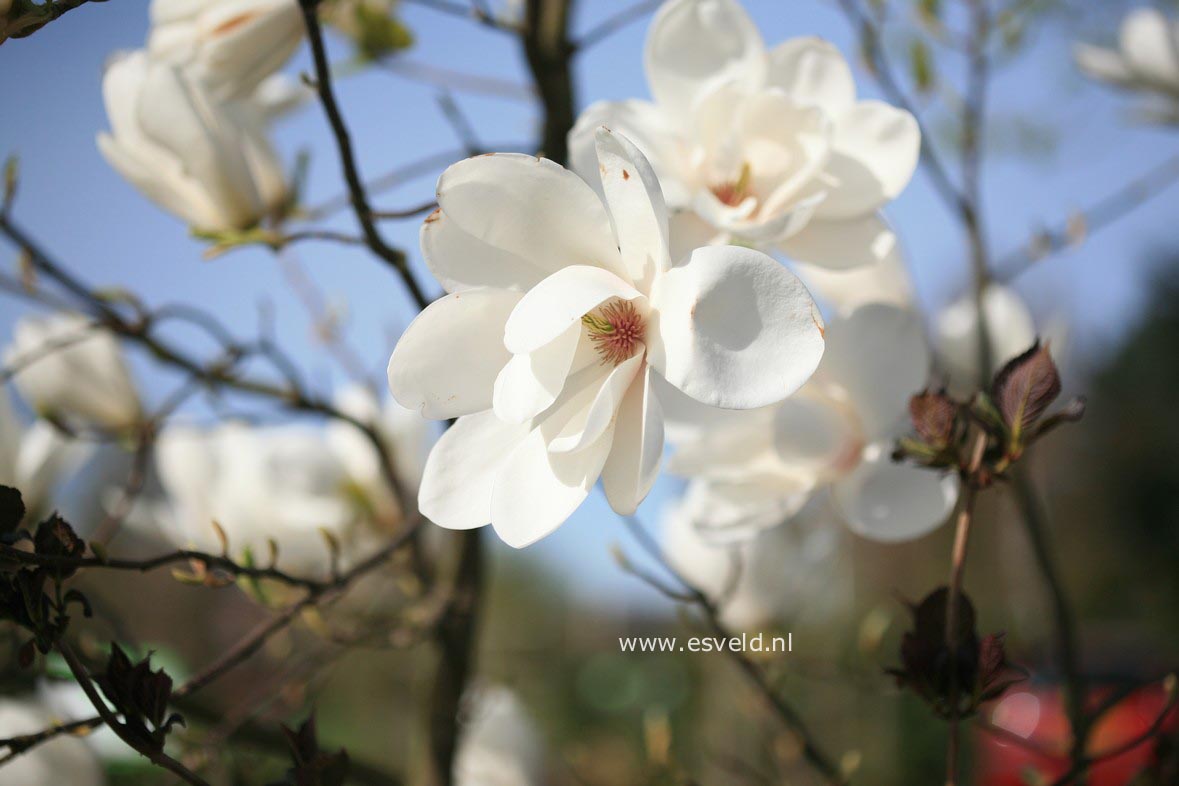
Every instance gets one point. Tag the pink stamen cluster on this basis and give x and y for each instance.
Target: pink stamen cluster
(616, 330)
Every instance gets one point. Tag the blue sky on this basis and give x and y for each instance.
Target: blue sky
(51, 109)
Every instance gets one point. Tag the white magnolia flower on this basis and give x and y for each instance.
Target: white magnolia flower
(499, 744)
(32, 459)
(406, 439)
(257, 483)
(775, 574)
(1146, 60)
(64, 760)
(565, 318)
(1010, 329)
(760, 467)
(231, 45)
(71, 369)
(768, 147)
(206, 160)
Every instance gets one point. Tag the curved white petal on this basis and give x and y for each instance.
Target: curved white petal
(531, 208)
(460, 472)
(561, 300)
(1103, 64)
(446, 362)
(886, 281)
(1010, 328)
(879, 358)
(587, 426)
(735, 510)
(1151, 47)
(634, 459)
(634, 201)
(530, 383)
(840, 244)
(732, 328)
(813, 71)
(536, 490)
(695, 44)
(647, 127)
(814, 434)
(890, 502)
(874, 154)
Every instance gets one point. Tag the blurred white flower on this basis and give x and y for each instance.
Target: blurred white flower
(231, 45)
(64, 760)
(71, 369)
(774, 574)
(1146, 60)
(1010, 329)
(564, 315)
(32, 459)
(257, 483)
(499, 744)
(406, 438)
(206, 160)
(771, 148)
(758, 468)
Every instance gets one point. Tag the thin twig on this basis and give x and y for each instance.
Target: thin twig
(785, 712)
(156, 757)
(359, 197)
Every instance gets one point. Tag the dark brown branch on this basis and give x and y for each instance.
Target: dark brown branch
(395, 258)
(37, 17)
(549, 51)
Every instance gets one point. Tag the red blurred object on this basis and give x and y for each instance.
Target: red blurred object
(1037, 715)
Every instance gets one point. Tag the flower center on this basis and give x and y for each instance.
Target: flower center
(616, 329)
(734, 192)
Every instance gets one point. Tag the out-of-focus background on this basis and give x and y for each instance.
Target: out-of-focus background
(1056, 143)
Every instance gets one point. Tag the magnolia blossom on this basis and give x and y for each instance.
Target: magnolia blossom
(62, 760)
(564, 321)
(204, 159)
(1010, 331)
(775, 574)
(499, 744)
(32, 459)
(71, 369)
(771, 148)
(759, 468)
(257, 484)
(230, 45)
(1146, 60)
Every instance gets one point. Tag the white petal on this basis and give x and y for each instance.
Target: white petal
(642, 123)
(688, 232)
(733, 511)
(813, 434)
(891, 502)
(536, 490)
(874, 154)
(446, 362)
(842, 244)
(528, 384)
(1010, 327)
(879, 357)
(1104, 64)
(634, 459)
(886, 281)
(587, 426)
(812, 71)
(634, 200)
(1149, 44)
(562, 299)
(531, 208)
(732, 328)
(461, 261)
(695, 44)
(460, 473)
